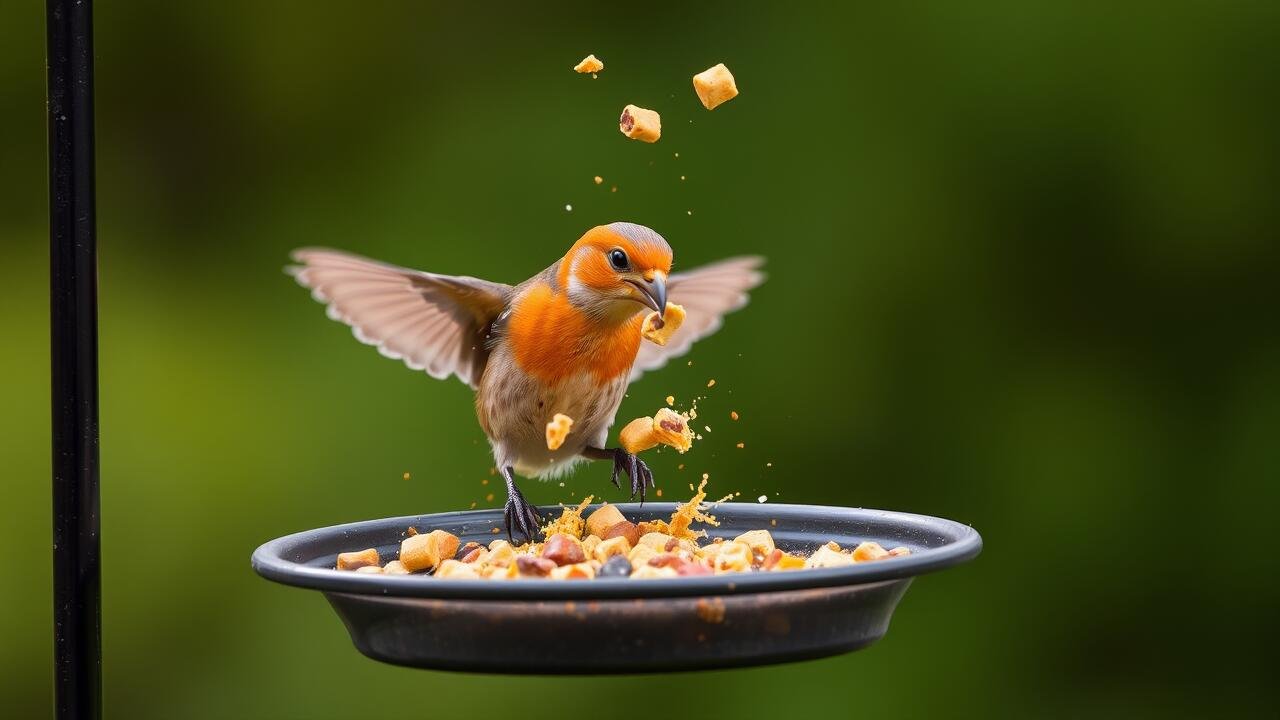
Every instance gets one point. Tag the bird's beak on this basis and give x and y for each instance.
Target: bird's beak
(654, 289)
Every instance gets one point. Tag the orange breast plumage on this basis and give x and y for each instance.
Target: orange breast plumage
(552, 340)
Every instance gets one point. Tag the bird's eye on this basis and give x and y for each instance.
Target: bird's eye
(618, 259)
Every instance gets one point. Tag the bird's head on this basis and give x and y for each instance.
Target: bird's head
(614, 270)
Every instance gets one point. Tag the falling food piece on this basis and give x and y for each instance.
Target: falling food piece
(658, 329)
(681, 177)
(715, 86)
(406, 476)
(741, 445)
(613, 189)
(638, 123)
(762, 498)
(568, 208)
(488, 498)
(598, 180)
(484, 481)
(711, 382)
(558, 430)
(667, 427)
(671, 400)
(733, 414)
(589, 64)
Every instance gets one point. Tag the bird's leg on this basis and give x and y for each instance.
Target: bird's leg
(635, 468)
(519, 511)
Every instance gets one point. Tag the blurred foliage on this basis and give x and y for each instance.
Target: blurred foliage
(1023, 274)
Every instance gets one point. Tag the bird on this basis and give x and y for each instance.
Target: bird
(566, 341)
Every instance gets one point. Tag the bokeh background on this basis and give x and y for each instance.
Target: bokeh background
(1023, 273)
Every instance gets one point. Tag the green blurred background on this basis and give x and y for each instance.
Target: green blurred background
(1023, 273)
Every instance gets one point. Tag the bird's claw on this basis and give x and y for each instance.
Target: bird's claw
(522, 514)
(639, 473)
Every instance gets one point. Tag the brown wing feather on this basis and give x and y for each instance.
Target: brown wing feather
(434, 323)
(708, 294)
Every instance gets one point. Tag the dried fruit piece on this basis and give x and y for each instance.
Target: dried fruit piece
(611, 548)
(529, 566)
(658, 329)
(638, 123)
(625, 529)
(604, 517)
(589, 64)
(395, 567)
(734, 556)
(649, 572)
(500, 554)
(357, 560)
(577, 571)
(558, 430)
(868, 551)
(760, 541)
(563, 550)
(457, 570)
(827, 556)
(715, 86)
(422, 552)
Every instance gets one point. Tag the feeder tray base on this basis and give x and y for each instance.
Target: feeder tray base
(618, 625)
(598, 637)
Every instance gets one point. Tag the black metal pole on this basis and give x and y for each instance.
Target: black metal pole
(73, 286)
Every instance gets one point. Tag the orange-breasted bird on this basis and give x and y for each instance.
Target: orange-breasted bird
(565, 341)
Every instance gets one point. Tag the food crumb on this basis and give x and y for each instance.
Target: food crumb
(773, 523)
(733, 414)
(488, 498)
(658, 492)
(568, 208)
(613, 189)
(681, 177)
(598, 180)
(762, 498)
(590, 64)
(711, 382)
(680, 466)
(484, 481)
(740, 446)
(473, 505)
(411, 531)
(495, 531)
(671, 400)
(406, 476)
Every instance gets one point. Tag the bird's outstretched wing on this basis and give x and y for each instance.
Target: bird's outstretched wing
(432, 322)
(708, 294)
